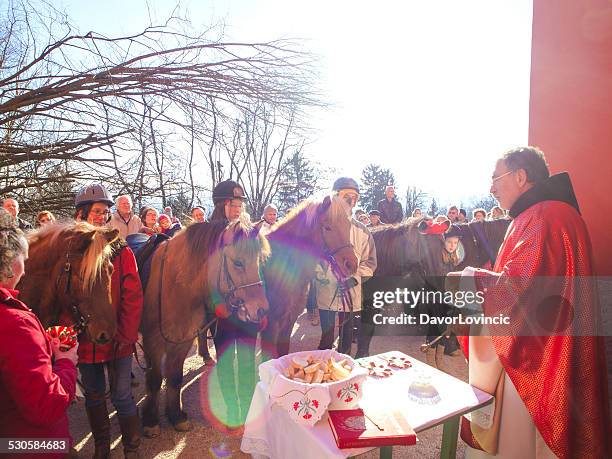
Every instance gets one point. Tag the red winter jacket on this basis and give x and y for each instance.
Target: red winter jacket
(127, 297)
(34, 394)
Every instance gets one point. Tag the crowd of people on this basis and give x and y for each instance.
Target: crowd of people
(389, 211)
(51, 373)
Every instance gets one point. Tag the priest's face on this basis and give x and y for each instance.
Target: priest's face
(506, 185)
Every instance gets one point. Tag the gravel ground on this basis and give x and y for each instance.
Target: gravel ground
(204, 441)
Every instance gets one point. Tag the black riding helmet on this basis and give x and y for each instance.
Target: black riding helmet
(228, 189)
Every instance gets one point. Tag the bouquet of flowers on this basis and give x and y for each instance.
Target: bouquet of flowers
(66, 335)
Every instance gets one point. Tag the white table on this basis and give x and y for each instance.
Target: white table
(270, 432)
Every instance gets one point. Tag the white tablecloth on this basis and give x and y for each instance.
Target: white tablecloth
(270, 432)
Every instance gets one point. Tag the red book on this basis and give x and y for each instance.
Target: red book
(354, 429)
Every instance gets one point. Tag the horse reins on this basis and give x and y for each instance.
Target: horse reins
(81, 323)
(81, 320)
(236, 304)
(342, 288)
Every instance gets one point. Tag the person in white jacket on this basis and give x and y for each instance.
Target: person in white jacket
(327, 289)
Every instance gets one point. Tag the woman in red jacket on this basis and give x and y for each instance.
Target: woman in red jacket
(34, 392)
(93, 206)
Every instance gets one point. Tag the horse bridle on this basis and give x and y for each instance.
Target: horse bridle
(343, 287)
(236, 304)
(81, 320)
(329, 256)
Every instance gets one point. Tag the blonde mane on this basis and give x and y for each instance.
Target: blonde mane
(97, 253)
(309, 208)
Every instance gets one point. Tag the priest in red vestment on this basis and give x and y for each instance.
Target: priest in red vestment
(547, 366)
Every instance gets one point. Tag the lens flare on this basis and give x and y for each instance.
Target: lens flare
(226, 391)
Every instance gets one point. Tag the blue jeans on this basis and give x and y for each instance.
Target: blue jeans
(311, 301)
(328, 326)
(94, 380)
(235, 342)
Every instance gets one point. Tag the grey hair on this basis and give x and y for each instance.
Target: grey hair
(126, 196)
(531, 160)
(12, 244)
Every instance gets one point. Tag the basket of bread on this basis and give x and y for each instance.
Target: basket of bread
(309, 383)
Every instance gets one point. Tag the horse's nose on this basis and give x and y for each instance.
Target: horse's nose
(102, 338)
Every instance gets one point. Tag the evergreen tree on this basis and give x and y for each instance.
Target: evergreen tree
(433, 208)
(374, 179)
(299, 179)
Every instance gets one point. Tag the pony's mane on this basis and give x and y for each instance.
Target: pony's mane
(207, 238)
(97, 253)
(303, 216)
(402, 227)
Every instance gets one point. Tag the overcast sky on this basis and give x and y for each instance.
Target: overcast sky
(436, 90)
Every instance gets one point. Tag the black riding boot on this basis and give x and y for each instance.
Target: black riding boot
(100, 430)
(130, 435)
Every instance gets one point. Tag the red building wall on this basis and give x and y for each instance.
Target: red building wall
(571, 106)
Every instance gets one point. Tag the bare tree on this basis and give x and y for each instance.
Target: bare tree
(415, 199)
(483, 202)
(75, 98)
(261, 144)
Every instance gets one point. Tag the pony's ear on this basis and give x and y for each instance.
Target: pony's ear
(111, 235)
(229, 234)
(254, 232)
(325, 205)
(83, 240)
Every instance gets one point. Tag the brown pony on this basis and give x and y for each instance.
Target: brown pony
(68, 274)
(206, 265)
(481, 241)
(311, 232)
(402, 248)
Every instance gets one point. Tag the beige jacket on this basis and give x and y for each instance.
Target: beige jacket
(131, 226)
(326, 286)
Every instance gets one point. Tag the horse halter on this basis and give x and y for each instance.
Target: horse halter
(343, 287)
(81, 320)
(329, 256)
(236, 304)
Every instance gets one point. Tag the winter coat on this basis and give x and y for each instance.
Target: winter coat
(130, 226)
(264, 227)
(34, 393)
(326, 285)
(390, 211)
(127, 296)
(175, 228)
(545, 265)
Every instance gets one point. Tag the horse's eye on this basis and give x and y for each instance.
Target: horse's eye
(327, 228)
(238, 264)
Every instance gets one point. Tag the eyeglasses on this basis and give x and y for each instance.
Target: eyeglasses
(349, 197)
(495, 179)
(99, 213)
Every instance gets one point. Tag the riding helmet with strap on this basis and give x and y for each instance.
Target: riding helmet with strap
(228, 189)
(90, 194)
